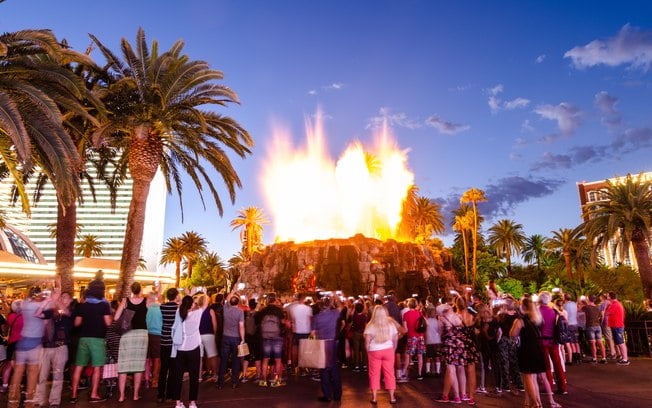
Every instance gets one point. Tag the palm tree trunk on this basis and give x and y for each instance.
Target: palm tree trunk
(508, 256)
(642, 254)
(466, 256)
(475, 241)
(177, 273)
(569, 266)
(65, 246)
(189, 269)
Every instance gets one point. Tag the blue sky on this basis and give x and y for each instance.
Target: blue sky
(521, 99)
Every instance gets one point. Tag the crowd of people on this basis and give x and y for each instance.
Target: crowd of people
(161, 340)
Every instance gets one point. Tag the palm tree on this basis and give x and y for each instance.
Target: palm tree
(474, 196)
(564, 240)
(160, 119)
(534, 249)
(194, 246)
(89, 246)
(462, 224)
(626, 216)
(250, 220)
(507, 237)
(209, 270)
(426, 218)
(173, 252)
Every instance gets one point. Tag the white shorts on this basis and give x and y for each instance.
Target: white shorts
(208, 346)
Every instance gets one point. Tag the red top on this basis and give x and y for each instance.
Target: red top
(615, 314)
(411, 320)
(15, 323)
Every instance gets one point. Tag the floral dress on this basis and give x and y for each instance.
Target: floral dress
(453, 345)
(471, 354)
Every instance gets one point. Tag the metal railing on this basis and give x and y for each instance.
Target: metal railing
(638, 336)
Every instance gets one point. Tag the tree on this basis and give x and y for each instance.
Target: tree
(160, 119)
(507, 237)
(250, 221)
(462, 224)
(194, 246)
(173, 252)
(208, 271)
(474, 196)
(625, 216)
(534, 249)
(426, 218)
(89, 246)
(564, 240)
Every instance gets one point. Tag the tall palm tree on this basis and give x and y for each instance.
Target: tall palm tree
(564, 240)
(507, 237)
(161, 119)
(250, 221)
(173, 252)
(88, 246)
(626, 216)
(474, 196)
(426, 218)
(463, 224)
(194, 246)
(534, 249)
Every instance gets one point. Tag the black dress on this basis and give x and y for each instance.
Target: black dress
(531, 359)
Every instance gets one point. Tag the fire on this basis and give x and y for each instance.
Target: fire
(310, 196)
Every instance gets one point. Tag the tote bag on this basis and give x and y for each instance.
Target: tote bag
(315, 353)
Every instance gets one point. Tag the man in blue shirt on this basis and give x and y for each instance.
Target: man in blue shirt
(325, 327)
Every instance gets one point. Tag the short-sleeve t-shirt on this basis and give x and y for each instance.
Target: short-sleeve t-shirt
(233, 315)
(92, 315)
(592, 313)
(33, 326)
(616, 314)
(571, 309)
(411, 320)
(376, 346)
(432, 333)
(301, 315)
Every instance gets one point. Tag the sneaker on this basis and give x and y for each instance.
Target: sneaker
(420, 378)
(623, 362)
(402, 380)
(93, 400)
(4, 389)
(456, 401)
(471, 401)
(603, 361)
(244, 380)
(315, 378)
(180, 405)
(594, 361)
(192, 405)
(278, 383)
(443, 398)
(262, 383)
(481, 390)
(465, 397)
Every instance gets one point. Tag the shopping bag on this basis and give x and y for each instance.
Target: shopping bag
(243, 349)
(315, 353)
(110, 371)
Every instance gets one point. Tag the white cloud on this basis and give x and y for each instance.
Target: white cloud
(393, 119)
(515, 156)
(526, 126)
(567, 116)
(496, 90)
(444, 126)
(631, 46)
(605, 103)
(517, 103)
(335, 86)
(540, 58)
(312, 92)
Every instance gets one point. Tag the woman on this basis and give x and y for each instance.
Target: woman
(186, 349)
(471, 354)
(15, 323)
(133, 344)
(453, 350)
(358, 323)
(563, 334)
(416, 343)
(433, 343)
(486, 338)
(531, 359)
(381, 339)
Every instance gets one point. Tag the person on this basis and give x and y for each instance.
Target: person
(531, 358)
(433, 343)
(133, 343)
(471, 354)
(110, 369)
(325, 327)
(93, 316)
(606, 330)
(573, 328)
(186, 353)
(616, 321)
(508, 349)
(563, 336)
(593, 330)
(166, 375)
(381, 339)
(233, 334)
(271, 321)
(301, 318)
(394, 312)
(252, 338)
(416, 342)
(453, 353)
(358, 350)
(492, 292)
(207, 329)
(154, 320)
(486, 340)
(58, 324)
(29, 350)
(550, 348)
(15, 323)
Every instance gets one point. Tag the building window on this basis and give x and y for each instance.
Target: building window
(593, 196)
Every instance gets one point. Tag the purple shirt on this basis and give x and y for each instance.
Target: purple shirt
(548, 325)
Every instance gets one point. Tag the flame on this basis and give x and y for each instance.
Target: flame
(310, 196)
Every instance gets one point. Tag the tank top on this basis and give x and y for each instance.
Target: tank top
(139, 321)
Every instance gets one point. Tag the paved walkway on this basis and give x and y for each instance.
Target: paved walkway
(590, 386)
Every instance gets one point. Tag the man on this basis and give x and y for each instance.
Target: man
(233, 334)
(395, 313)
(271, 321)
(165, 376)
(29, 350)
(593, 329)
(550, 349)
(94, 315)
(606, 330)
(301, 317)
(325, 327)
(571, 309)
(616, 320)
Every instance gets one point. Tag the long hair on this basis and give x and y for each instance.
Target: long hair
(186, 305)
(532, 311)
(380, 325)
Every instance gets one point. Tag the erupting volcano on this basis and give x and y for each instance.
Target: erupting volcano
(310, 196)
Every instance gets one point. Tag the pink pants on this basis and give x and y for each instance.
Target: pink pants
(381, 360)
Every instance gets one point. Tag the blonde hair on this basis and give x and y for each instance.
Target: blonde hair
(532, 311)
(379, 327)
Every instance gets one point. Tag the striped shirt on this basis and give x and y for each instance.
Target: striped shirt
(168, 310)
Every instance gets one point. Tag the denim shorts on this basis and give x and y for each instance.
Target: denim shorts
(594, 333)
(273, 348)
(29, 357)
(618, 334)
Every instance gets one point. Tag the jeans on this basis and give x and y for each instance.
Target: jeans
(53, 361)
(230, 349)
(187, 361)
(166, 374)
(331, 383)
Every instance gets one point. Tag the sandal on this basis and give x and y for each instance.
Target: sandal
(374, 402)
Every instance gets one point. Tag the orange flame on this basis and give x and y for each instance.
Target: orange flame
(309, 196)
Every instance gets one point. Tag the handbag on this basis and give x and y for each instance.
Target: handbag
(422, 325)
(110, 369)
(243, 349)
(124, 322)
(315, 353)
